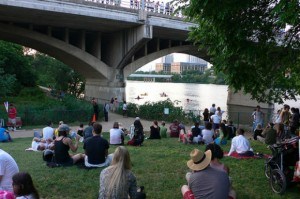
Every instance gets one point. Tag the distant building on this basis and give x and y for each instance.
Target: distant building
(165, 67)
(179, 67)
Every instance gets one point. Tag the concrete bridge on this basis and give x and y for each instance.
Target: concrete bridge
(105, 43)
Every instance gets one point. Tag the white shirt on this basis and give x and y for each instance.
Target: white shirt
(48, 132)
(240, 144)
(212, 110)
(216, 119)
(8, 167)
(207, 136)
(26, 197)
(115, 136)
(124, 107)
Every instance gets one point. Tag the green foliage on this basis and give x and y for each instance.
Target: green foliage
(7, 83)
(59, 76)
(155, 111)
(15, 64)
(159, 165)
(255, 44)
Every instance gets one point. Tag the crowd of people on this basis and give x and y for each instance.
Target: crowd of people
(208, 178)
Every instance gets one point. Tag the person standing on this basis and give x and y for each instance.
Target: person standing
(95, 109)
(294, 121)
(111, 105)
(205, 116)
(258, 117)
(105, 111)
(8, 168)
(124, 109)
(96, 149)
(116, 105)
(12, 116)
(212, 109)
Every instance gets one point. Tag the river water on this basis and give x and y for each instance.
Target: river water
(195, 97)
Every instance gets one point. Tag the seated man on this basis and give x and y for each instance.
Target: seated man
(8, 167)
(96, 149)
(241, 145)
(269, 135)
(48, 131)
(4, 135)
(204, 181)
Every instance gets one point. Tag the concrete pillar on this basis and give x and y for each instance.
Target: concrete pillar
(98, 46)
(104, 91)
(49, 31)
(67, 35)
(82, 40)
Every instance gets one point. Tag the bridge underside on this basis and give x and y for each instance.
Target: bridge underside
(105, 51)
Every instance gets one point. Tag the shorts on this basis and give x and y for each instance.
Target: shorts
(188, 195)
(13, 121)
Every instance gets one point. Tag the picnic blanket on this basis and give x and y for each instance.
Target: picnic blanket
(256, 156)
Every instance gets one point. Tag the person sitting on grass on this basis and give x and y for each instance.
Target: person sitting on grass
(196, 136)
(241, 145)
(4, 135)
(138, 137)
(117, 180)
(258, 131)
(174, 129)
(62, 145)
(208, 134)
(8, 168)
(163, 130)
(154, 131)
(269, 135)
(116, 135)
(217, 154)
(96, 149)
(23, 186)
(204, 181)
(223, 135)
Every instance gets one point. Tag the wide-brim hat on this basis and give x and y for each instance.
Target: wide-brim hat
(199, 160)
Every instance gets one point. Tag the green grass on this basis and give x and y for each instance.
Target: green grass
(160, 165)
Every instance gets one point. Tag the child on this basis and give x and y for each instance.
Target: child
(23, 186)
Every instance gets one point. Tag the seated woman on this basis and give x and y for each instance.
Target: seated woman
(138, 137)
(117, 180)
(217, 154)
(163, 130)
(116, 135)
(62, 145)
(154, 131)
(207, 133)
(223, 135)
(23, 186)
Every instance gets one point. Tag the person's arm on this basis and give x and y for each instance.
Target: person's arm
(72, 146)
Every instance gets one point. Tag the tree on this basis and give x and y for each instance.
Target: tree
(7, 83)
(15, 64)
(254, 43)
(59, 76)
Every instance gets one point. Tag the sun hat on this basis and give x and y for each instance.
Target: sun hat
(64, 127)
(199, 160)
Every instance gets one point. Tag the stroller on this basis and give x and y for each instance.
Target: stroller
(279, 169)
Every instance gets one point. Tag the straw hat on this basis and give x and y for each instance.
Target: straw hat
(199, 160)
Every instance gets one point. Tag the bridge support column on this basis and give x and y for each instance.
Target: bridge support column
(104, 91)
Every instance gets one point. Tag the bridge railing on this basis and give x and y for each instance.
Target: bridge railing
(158, 7)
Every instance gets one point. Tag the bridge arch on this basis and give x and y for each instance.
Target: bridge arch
(81, 61)
(186, 49)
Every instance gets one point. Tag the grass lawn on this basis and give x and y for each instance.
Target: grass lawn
(159, 165)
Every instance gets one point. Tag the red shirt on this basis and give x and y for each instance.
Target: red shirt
(12, 113)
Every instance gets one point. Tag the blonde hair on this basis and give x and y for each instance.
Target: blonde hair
(117, 179)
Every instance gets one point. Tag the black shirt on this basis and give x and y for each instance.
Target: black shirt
(95, 148)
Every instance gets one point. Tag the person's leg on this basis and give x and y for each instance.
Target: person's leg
(76, 158)
(262, 139)
(184, 189)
